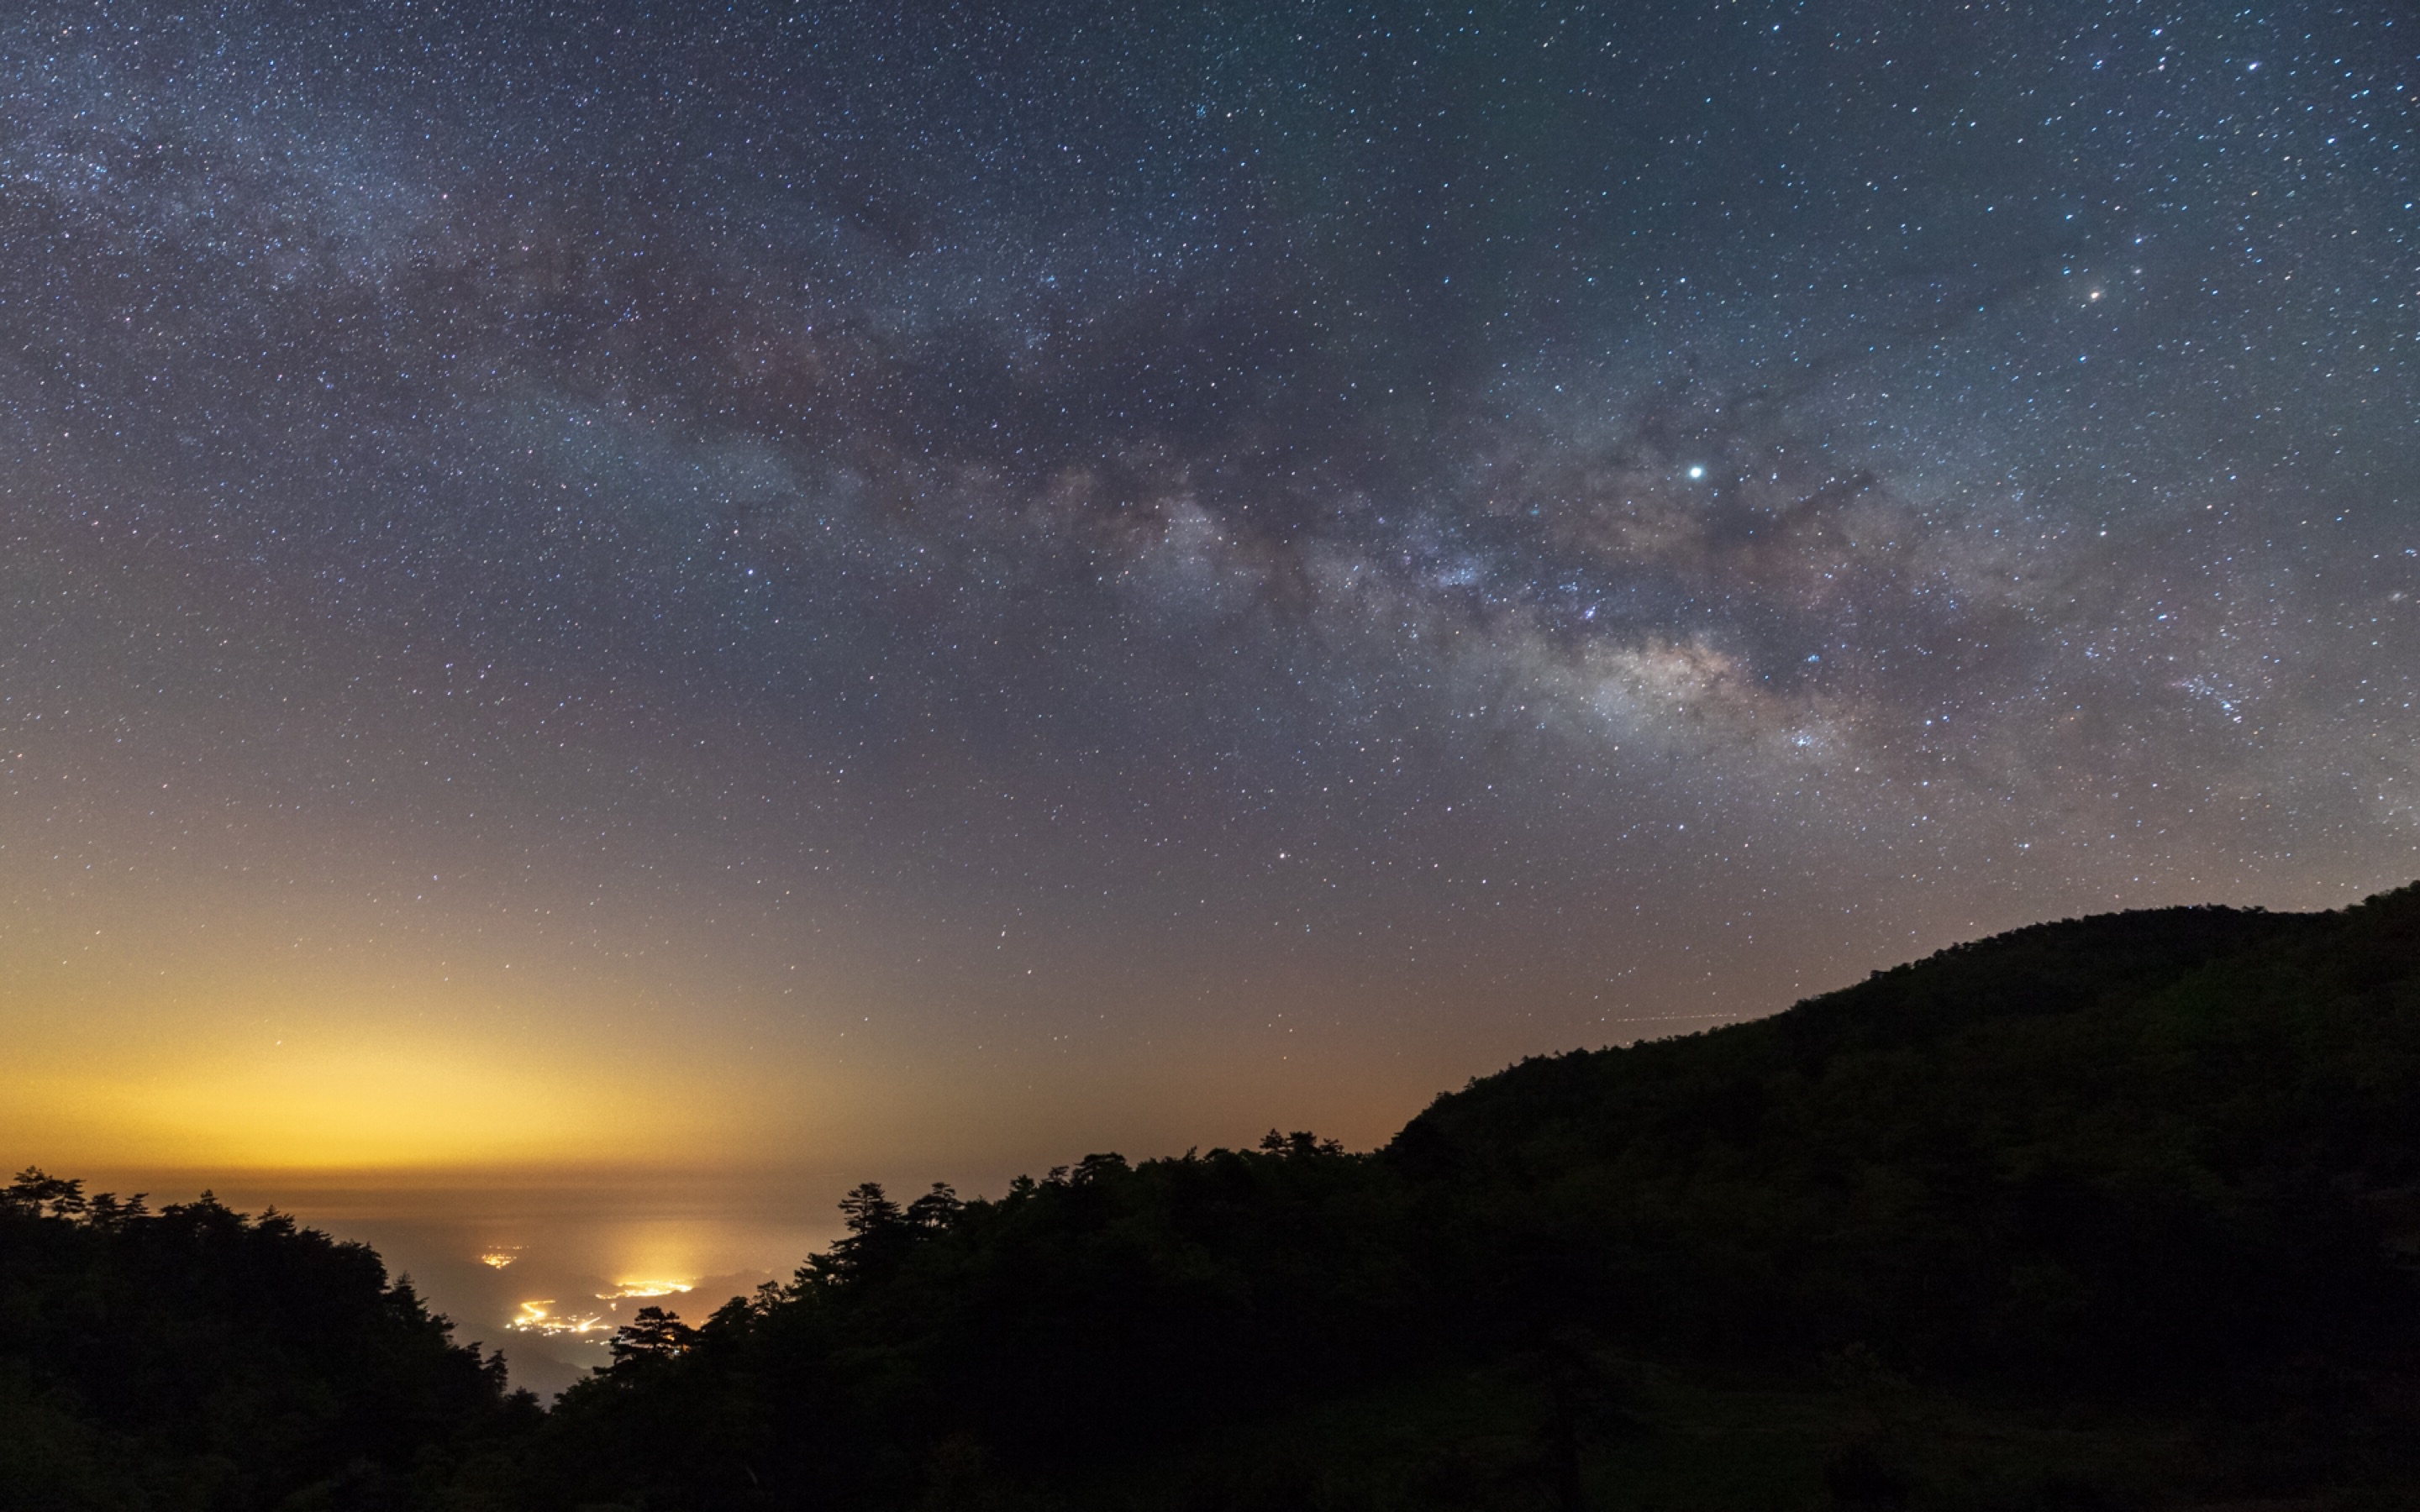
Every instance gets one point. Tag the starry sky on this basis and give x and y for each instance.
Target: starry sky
(943, 586)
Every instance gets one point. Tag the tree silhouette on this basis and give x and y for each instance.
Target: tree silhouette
(652, 1334)
(936, 1210)
(866, 1209)
(44, 1195)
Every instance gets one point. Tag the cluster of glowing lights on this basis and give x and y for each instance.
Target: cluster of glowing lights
(644, 1288)
(501, 1258)
(538, 1318)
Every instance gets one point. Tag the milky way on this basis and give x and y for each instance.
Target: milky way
(1269, 557)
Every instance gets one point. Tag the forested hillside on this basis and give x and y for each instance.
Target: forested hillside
(196, 1358)
(2105, 1213)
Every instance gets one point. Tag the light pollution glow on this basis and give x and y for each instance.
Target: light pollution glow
(538, 1318)
(484, 1043)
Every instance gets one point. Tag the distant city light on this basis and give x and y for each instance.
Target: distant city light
(644, 1288)
(537, 1317)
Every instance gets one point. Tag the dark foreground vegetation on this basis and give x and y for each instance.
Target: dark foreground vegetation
(195, 1358)
(2119, 1212)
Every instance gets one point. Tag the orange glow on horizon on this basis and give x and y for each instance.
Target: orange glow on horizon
(190, 1040)
(328, 1103)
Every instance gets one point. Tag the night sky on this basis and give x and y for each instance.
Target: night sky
(809, 586)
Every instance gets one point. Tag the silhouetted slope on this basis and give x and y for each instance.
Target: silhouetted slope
(195, 1358)
(2167, 1149)
(2110, 1212)
(2152, 1169)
